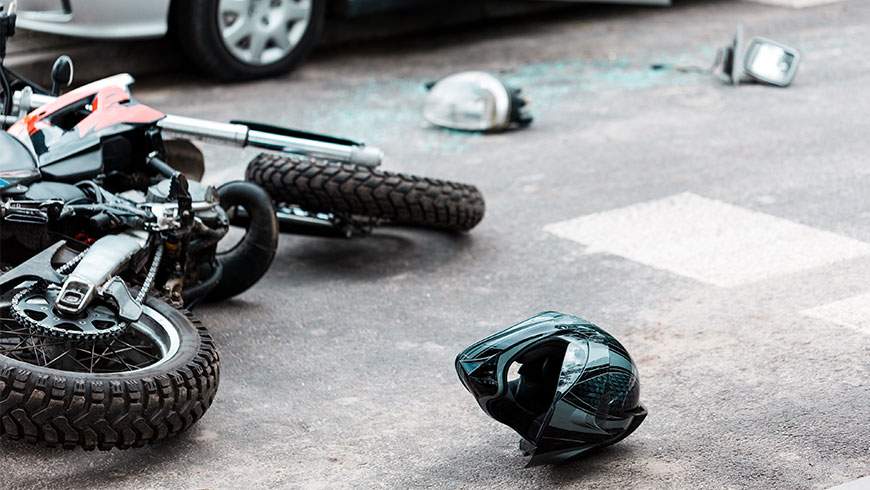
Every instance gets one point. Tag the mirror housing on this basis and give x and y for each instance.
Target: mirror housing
(475, 101)
(762, 60)
(61, 74)
(771, 62)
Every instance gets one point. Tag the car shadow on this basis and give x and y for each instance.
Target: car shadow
(409, 31)
(360, 41)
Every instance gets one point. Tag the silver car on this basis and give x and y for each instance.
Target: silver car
(228, 39)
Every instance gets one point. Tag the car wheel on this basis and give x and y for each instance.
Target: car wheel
(245, 39)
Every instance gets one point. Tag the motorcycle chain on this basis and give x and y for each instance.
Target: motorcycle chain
(57, 327)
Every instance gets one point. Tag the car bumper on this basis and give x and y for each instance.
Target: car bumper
(101, 19)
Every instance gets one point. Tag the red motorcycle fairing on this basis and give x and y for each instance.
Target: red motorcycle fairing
(108, 104)
(113, 105)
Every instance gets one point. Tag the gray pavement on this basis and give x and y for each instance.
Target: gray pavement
(337, 367)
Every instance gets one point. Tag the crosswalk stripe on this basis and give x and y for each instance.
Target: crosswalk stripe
(851, 312)
(708, 240)
(859, 484)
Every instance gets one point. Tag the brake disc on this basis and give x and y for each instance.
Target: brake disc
(34, 308)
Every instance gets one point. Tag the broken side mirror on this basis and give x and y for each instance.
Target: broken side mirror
(771, 62)
(761, 60)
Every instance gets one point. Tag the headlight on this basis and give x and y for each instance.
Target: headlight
(475, 101)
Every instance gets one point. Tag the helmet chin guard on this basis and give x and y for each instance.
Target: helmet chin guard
(576, 388)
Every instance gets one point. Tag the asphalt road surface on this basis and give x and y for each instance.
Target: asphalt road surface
(722, 234)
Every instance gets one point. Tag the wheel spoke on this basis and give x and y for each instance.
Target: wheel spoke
(240, 29)
(137, 349)
(23, 341)
(237, 7)
(30, 347)
(79, 363)
(258, 44)
(281, 39)
(39, 348)
(131, 350)
(117, 357)
(48, 364)
(93, 349)
(25, 334)
(94, 355)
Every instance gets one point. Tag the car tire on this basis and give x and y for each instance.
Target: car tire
(200, 28)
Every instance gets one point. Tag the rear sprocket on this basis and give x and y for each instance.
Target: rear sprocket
(34, 308)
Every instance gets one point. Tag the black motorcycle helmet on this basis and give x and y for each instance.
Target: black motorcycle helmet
(576, 389)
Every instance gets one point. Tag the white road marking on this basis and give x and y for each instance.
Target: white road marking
(711, 241)
(859, 484)
(851, 312)
(796, 4)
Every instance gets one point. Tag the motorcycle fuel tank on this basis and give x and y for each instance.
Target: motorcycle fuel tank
(17, 165)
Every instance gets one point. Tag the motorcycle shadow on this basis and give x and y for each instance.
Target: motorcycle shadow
(384, 253)
(83, 469)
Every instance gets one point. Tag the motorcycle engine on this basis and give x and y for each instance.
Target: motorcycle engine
(25, 218)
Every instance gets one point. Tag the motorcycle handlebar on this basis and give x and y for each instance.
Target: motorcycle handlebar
(242, 136)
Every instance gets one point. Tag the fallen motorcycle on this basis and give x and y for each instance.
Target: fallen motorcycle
(102, 244)
(106, 237)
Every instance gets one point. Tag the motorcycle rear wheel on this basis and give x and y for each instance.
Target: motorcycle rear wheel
(356, 190)
(116, 403)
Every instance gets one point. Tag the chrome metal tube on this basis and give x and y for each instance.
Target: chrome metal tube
(239, 134)
(361, 155)
(203, 130)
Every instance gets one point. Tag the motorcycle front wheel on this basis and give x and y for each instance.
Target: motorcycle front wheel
(360, 191)
(150, 382)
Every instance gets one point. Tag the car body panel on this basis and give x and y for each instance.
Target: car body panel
(661, 3)
(128, 19)
(352, 8)
(103, 19)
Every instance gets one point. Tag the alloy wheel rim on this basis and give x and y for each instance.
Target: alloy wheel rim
(262, 32)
